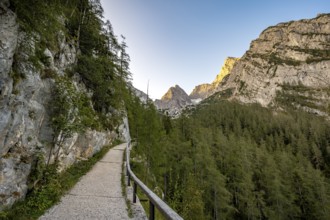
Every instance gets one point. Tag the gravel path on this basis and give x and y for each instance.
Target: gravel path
(98, 195)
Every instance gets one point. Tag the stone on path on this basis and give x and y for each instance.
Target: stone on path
(98, 195)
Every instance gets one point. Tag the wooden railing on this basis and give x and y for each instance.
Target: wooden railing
(154, 200)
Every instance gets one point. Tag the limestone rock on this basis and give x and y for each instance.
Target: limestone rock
(25, 94)
(205, 90)
(8, 42)
(176, 99)
(201, 91)
(138, 93)
(124, 131)
(173, 101)
(295, 53)
(225, 70)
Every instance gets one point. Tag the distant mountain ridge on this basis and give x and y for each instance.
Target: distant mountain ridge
(205, 90)
(173, 100)
(176, 99)
(287, 66)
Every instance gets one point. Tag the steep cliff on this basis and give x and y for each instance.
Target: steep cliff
(289, 64)
(46, 106)
(202, 91)
(173, 101)
(205, 90)
(138, 93)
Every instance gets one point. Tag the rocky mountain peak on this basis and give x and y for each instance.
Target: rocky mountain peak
(173, 101)
(205, 90)
(201, 91)
(225, 70)
(175, 92)
(176, 98)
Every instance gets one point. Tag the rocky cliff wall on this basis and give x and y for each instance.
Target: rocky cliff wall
(25, 109)
(205, 90)
(292, 54)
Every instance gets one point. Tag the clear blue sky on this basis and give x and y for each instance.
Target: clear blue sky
(185, 42)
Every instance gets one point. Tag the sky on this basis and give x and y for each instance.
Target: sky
(185, 42)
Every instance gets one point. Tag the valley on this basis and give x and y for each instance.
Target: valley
(252, 144)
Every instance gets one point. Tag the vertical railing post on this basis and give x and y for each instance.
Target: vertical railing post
(151, 211)
(134, 192)
(128, 180)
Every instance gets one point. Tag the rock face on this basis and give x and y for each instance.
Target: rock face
(138, 93)
(25, 96)
(202, 91)
(173, 100)
(288, 64)
(225, 70)
(176, 99)
(205, 90)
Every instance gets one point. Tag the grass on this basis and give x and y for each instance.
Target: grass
(145, 204)
(123, 189)
(52, 187)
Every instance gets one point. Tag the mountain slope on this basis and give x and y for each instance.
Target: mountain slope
(284, 57)
(205, 90)
(138, 93)
(174, 98)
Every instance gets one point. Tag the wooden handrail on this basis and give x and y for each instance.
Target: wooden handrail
(154, 200)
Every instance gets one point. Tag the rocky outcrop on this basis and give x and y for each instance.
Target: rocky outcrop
(205, 90)
(291, 59)
(202, 91)
(25, 95)
(176, 99)
(173, 100)
(225, 70)
(138, 93)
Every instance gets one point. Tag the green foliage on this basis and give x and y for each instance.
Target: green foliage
(37, 16)
(316, 55)
(297, 96)
(71, 112)
(102, 61)
(124, 188)
(16, 76)
(232, 161)
(103, 65)
(274, 59)
(99, 75)
(48, 186)
(68, 105)
(241, 85)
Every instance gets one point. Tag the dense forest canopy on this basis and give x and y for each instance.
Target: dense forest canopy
(226, 160)
(222, 160)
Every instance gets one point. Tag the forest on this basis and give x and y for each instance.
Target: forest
(225, 160)
(221, 160)
(101, 62)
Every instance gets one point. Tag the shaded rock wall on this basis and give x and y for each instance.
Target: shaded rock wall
(25, 109)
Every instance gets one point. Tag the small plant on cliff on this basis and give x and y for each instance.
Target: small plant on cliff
(71, 112)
